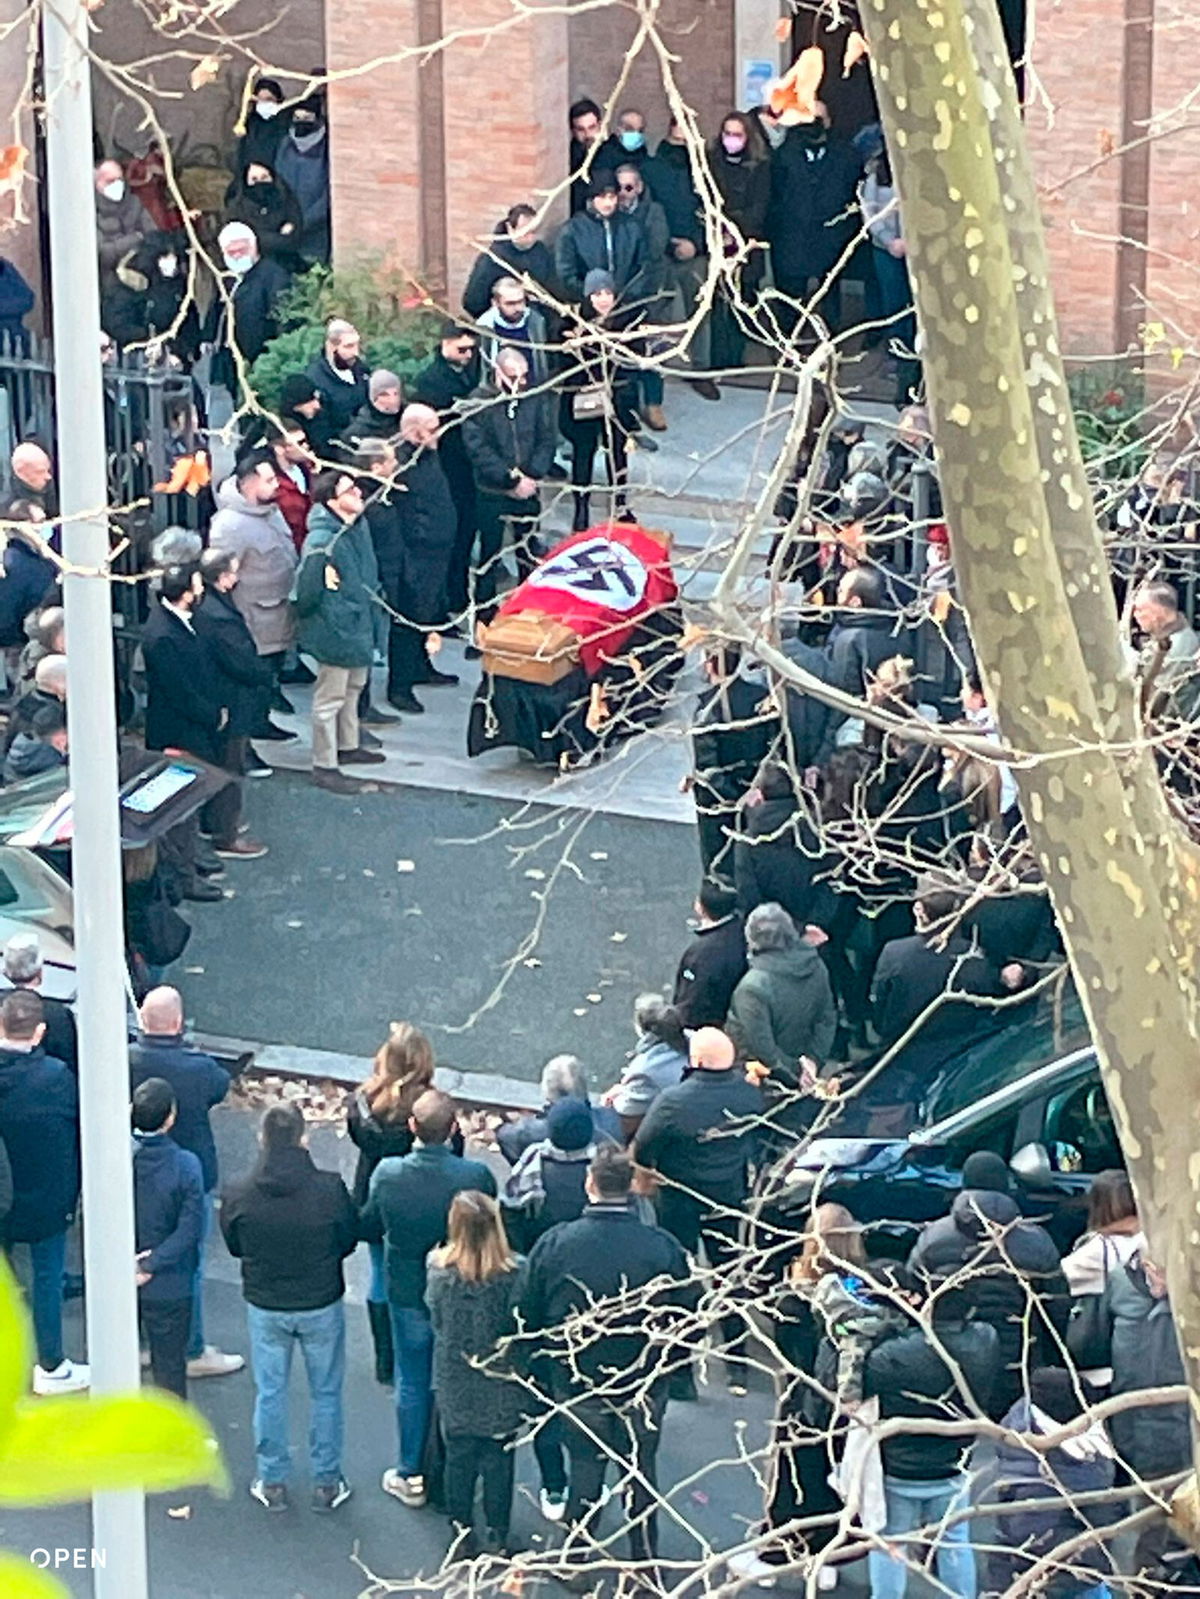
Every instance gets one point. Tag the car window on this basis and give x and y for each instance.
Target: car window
(997, 1133)
(1079, 1119)
(1004, 1058)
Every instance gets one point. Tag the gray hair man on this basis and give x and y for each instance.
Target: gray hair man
(23, 969)
(563, 1077)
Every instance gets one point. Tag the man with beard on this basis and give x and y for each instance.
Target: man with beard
(444, 384)
(242, 316)
(668, 176)
(341, 377)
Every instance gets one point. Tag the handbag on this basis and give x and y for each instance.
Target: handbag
(1089, 1329)
(591, 404)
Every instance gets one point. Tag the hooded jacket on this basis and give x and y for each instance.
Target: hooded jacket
(39, 1126)
(507, 435)
(168, 1204)
(335, 594)
(270, 209)
(28, 755)
(291, 1226)
(999, 1260)
(814, 204)
(615, 244)
(306, 174)
(261, 539)
(504, 259)
(910, 1377)
(1150, 1439)
(783, 1008)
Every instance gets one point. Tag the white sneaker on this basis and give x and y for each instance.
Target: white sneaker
(409, 1491)
(553, 1506)
(66, 1378)
(214, 1363)
(748, 1565)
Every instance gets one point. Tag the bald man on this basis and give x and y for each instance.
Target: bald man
(425, 523)
(198, 1084)
(32, 479)
(49, 688)
(700, 1137)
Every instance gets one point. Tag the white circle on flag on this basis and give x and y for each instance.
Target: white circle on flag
(607, 573)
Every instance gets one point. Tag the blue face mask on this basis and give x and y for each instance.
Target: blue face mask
(632, 139)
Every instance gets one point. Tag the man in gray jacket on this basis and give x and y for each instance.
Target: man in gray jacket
(250, 525)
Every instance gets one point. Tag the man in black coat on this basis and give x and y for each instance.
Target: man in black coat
(813, 214)
(778, 857)
(603, 237)
(445, 383)
(198, 1084)
(429, 520)
(668, 176)
(734, 728)
(585, 117)
(292, 1226)
(187, 699)
(39, 1127)
(700, 1137)
(714, 963)
(1007, 1272)
(609, 1362)
(247, 678)
(913, 972)
(23, 969)
(867, 632)
(341, 377)
(510, 436)
(250, 320)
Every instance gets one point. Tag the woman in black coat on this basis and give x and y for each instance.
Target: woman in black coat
(265, 203)
(598, 404)
(742, 173)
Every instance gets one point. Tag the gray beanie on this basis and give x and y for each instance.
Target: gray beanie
(598, 279)
(382, 379)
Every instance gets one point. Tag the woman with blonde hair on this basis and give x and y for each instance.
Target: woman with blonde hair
(377, 1120)
(473, 1287)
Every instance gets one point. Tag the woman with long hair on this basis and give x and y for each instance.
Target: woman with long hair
(741, 172)
(377, 1120)
(473, 1287)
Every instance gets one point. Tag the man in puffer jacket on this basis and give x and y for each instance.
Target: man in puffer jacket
(1008, 1270)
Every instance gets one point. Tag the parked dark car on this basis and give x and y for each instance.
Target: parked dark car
(1031, 1093)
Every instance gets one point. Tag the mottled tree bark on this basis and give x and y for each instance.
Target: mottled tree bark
(1031, 569)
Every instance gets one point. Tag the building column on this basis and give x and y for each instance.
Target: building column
(504, 121)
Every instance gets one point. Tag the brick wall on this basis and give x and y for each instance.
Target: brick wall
(700, 32)
(1173, 265)
(1078, 59)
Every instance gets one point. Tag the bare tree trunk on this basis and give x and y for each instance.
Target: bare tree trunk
(1030, 562)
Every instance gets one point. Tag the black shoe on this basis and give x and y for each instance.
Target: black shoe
(705, 388)
(435, 679)
(376, 716)
(682, 1386)
(256, 766)
(327, 1496)
(368, 741)
(210, 865)
(473, 652)
(406, 702)
(271, 734)
(281, 703)
(642, 440)
(380, 1318)
(298, 674)
(361, 757)
(205, 893)
(556, 474)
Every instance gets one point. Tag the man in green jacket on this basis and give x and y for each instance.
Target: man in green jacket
(337, 606)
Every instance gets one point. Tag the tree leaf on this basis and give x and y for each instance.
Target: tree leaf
(60, 1450)
(20, 1580)
(205, 71)
(15, 1347)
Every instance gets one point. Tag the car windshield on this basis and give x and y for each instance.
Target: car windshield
(1004, 1058)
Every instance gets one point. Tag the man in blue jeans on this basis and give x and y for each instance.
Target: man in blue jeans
(407, 1206)
(292, 1226)
(923, 1477)
(198, 1084)
(39, 1126)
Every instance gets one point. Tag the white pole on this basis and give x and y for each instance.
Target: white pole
(119, 1522)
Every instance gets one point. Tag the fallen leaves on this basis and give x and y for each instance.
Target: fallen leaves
(406, 866)
(205, 71)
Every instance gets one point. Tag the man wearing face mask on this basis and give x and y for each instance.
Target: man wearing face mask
(601, 238)
(268, 206)
(813, 215)
(122, 225)
(242, 316)
(162, 260)
(630, 134)
(267, 123)
(341, 377)
(302, 163)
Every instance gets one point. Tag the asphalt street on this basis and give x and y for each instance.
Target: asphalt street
(233, 1549)
(510, 932)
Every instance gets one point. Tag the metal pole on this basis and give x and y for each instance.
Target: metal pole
(118, 1519)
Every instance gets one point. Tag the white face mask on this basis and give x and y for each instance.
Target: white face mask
(268, 109)
(114, 190)
(240, 264)
(168, 265)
